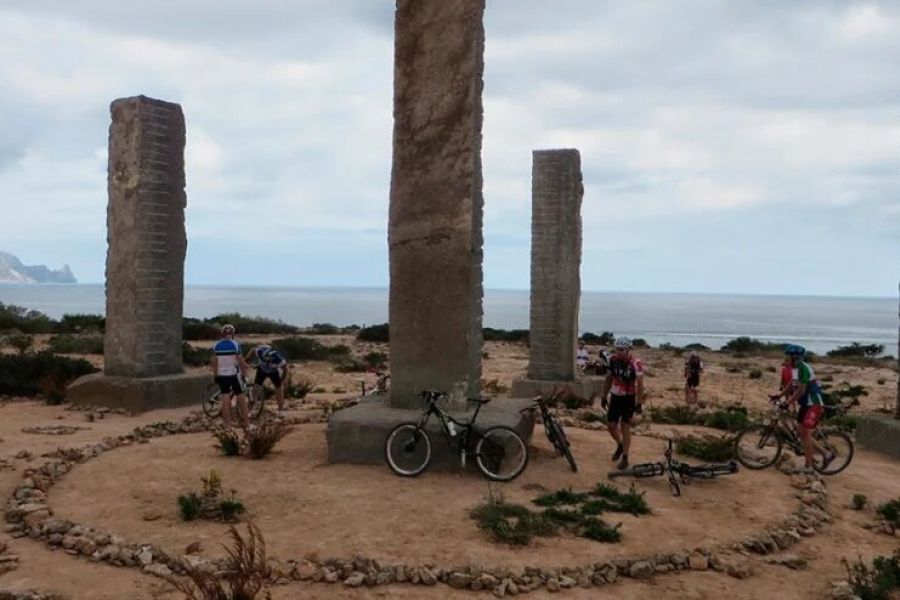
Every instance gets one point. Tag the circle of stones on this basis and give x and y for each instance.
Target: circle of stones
(28, 514)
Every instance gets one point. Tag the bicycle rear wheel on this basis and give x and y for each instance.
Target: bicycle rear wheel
(501, 454)
(407, 450)
(835, 445)
(211, 401)
(758, 447)
(557, 436)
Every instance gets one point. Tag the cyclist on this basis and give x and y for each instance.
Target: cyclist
(228, 366)
(693, 366)
(271, 365)
(806, 392)
(625, 386)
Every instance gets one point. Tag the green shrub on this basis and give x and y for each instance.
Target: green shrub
(771, 369)
(67, 343)
(323, 329)
(195, 357)
(563, 516)
(374, 333)
(607, 338)
(595, 529)
(890, 512)
(632, 501)
(349, 364)
(560, 497)
(23, 375)
(859, 501)
(301, 348)
(857, 350)
(80, 323)
(245, 324)
(298, 390)
(877, 582)
(640, 343)
(262, 440)
(26, 321)
(708, 448)
(190, 506)
(676, 415)
(755, 374)
(230, 509)
(196, 329)
(510, 523)
(229, 441)
(697, 347)
(490, 334)
(20, 342)
(750, 345)
(375, 360)
(592, 417)
(732, 418)
(843, 422)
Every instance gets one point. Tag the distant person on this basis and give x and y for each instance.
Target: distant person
(582, 356)
(806, 392)
(271, 365)
(228, 366)
(625, 386)
(602, 362)
(693, 367)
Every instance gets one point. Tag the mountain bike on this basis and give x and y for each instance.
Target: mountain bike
(256, 398)
(500, 453)
(677, 472)
(552, 427)
(760, 447)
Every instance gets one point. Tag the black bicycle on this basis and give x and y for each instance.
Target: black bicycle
(500, 453)
(553, 428)
(760, 447)
(256, 398)
(677, 472)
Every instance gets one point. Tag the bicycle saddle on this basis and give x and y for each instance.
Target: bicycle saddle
(480, 400)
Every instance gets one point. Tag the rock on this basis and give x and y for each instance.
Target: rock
(698, 562)
(69, 541)
(85, 546)
(330, 576)
(512, 588)
(306, 571)
(459, 580)
(585, 579)
(806, 531)
(738, 570)
(280, 569)
(158, 569)
(488, 581)
(427, 577)
(144, 557)
(194, 548)
(641, 569)
(355, 579)
(35, 520)
(152, 515)
(791, 561)
(567, 582)
(784, 539)
(663, 568)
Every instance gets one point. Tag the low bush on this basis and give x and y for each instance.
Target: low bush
(878, 582)
(20, 342)
(196, 329)
(299, 389)
(195, 357)
(613, 500)
(190, 506)
(374, 333)
(508, 523)
(244, 575)
(67, 343)
(229, 442)
(697, 347)
(375, 360)
(857, 350)
(709, 448)
(323, 329)
(81, 323)
(731, 418)
(304, 348)
(262, 439)
(607, 338)
(755, 374)
(24, 375)
(595, 529)
(890, 512)
(211, 503)
(859, 501)
(24, 320)
(750, 345)
(504, 335)
(561, 497)
(640, 343)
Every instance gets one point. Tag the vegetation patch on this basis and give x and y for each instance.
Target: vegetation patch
(68, 343)
(607, 338)
(374, 333)
(304, 348)
(504, 335)
(890, 512)
(859, 501)
(731, 418)
(33, 374)
(195, 357)
(263, 438)
(211, 503)
(857, 350)
(878, 582)
(709, 448)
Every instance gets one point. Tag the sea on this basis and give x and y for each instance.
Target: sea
(819, 323)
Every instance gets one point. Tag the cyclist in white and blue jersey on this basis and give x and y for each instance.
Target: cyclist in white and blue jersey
(228, 366)
(272, 365)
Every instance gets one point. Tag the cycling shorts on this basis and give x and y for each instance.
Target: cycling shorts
(621, 408)
(229, 384)
(808, 416)
(274, 376)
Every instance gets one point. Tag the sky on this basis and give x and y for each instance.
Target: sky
(727, 146)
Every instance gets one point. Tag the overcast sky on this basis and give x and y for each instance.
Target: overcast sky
(747, 147)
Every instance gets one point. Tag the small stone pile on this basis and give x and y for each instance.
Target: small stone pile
(27, 595)
(8, 562)
(53, 429)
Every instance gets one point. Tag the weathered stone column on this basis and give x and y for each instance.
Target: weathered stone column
(144, 264)
(435, 229)
(556, 192)
(147, 240)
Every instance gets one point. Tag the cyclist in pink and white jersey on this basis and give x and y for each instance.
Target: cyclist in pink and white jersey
(625, 386)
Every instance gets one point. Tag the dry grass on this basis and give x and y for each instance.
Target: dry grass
(262, 440)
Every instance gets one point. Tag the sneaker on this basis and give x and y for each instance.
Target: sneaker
(619, 449)
(623, 463)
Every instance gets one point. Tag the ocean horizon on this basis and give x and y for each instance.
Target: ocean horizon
(820, 323)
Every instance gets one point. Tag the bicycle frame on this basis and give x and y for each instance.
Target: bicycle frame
(460, 442)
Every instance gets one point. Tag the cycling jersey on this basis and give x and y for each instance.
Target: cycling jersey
(804, 374)
(625, 372)
(227, 353)
(273, 363)
(582, 357)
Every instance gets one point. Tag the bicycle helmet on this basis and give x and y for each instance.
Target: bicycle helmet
(623, 343)
(228, 329)
(794, 350)
(270, 354)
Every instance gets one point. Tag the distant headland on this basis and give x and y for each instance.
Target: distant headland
(13, 271)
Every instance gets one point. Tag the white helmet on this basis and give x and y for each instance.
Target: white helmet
(623, 343)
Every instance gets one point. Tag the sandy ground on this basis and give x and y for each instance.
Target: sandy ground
(304, 505)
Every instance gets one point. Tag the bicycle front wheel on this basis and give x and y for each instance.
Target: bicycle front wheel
(834, 451)
(501, 454)
(407, 450)
(212, 401)
(557, 436)
(256, 399)
(758, 447)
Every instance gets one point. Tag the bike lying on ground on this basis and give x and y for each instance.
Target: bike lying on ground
(382, 385)
(760, 447)
(677, 472)
(552, 427)
(500, 453)
(256, 398)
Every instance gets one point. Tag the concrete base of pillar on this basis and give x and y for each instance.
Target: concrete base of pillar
(880, 433)
(587, 387)
(138, 395)
(357, 434)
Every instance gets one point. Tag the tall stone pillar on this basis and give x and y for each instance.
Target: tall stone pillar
(435, 229)
(146, 236)
(144, 264)
(556, 193)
